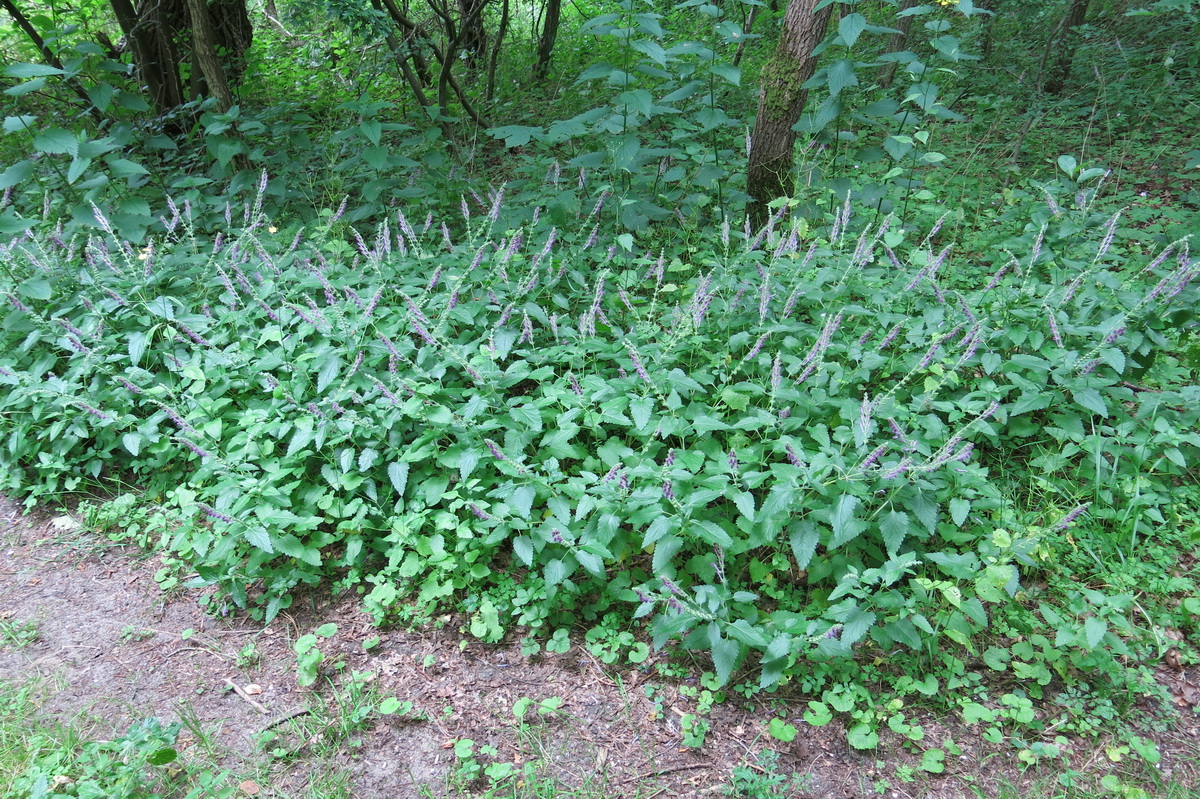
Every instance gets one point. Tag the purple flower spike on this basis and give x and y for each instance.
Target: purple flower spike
(792, 456)
(495, 450)
(1070, 518)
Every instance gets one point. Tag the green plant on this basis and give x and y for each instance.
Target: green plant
(765, 780)
(17, 634)
(309, 656)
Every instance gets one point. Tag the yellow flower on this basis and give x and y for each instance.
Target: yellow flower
(273, 229)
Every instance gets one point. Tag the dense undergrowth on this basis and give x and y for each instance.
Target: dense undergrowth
(793, 447)
(934, 428)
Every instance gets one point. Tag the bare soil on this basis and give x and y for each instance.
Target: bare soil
(113, 648)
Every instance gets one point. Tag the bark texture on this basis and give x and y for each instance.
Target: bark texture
(780, 102)
(1067, 42)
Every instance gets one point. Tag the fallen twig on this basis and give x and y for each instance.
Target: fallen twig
(238, 690)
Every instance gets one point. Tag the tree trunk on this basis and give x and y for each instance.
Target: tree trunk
(152, 55)
(1057, 79)
(895, 44)
(545, 49)
(780, 102)
(494, 56)
(472, 38)
(204, 47)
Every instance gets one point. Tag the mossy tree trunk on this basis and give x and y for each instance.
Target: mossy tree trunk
(781, 100)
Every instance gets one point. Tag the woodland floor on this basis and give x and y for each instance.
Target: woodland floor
(113, 648)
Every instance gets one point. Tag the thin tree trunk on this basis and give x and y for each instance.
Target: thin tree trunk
(895, 44)
(494, 56)
(1067, 44)
(746, 29)
(781, 100)
(545, 49)
(204, 47)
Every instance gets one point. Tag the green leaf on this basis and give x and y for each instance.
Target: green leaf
(744, 501)
(959, 508)
(861, 736)
(57, 141)
(398, 474)
(16, 174)
(640, 408)
(162, 757)
(851, 27)
(367, 459)
(933, 761)
(522, 500)
(35, 288)
(727, 71)
(1068, 165)
(840, 75)
(803, 538)
(780, 730)
(1090, 398)
(523, 547)
(258, 537)
(734, 400)
(818, 714)
(26, 70)
(724, 653)
(845, 526)
(1093, 630)
(137, 346)
(894, 527)
(327, 630)
(132, 442)
(329, 371)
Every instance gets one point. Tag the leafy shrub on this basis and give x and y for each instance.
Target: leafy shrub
(783, 445)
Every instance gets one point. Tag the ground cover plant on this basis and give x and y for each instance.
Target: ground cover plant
(859, 457)
(453, 338)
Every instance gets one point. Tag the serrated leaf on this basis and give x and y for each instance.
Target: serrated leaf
(894, 528)
(1029, 402)
(137, 346)
(556, 572)
(803, 537)
(959, 508)
(1090, 398)
(16, 174)
(329, 372)
(851, 27)
(523, 548)
(845, 526)
(367, 459)
(398, 474)
(27, 70)
(258, 537)
(293, 547)
(666, 548)
(592, 563)
(132, 442)
(640, 408)
(724, 653)
(1093, 630)
(734, 400)
(35, 288)
(744, 501)
(522, 500)
(467, 462)
(727, 71)
(840, 75)
(57, 141)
